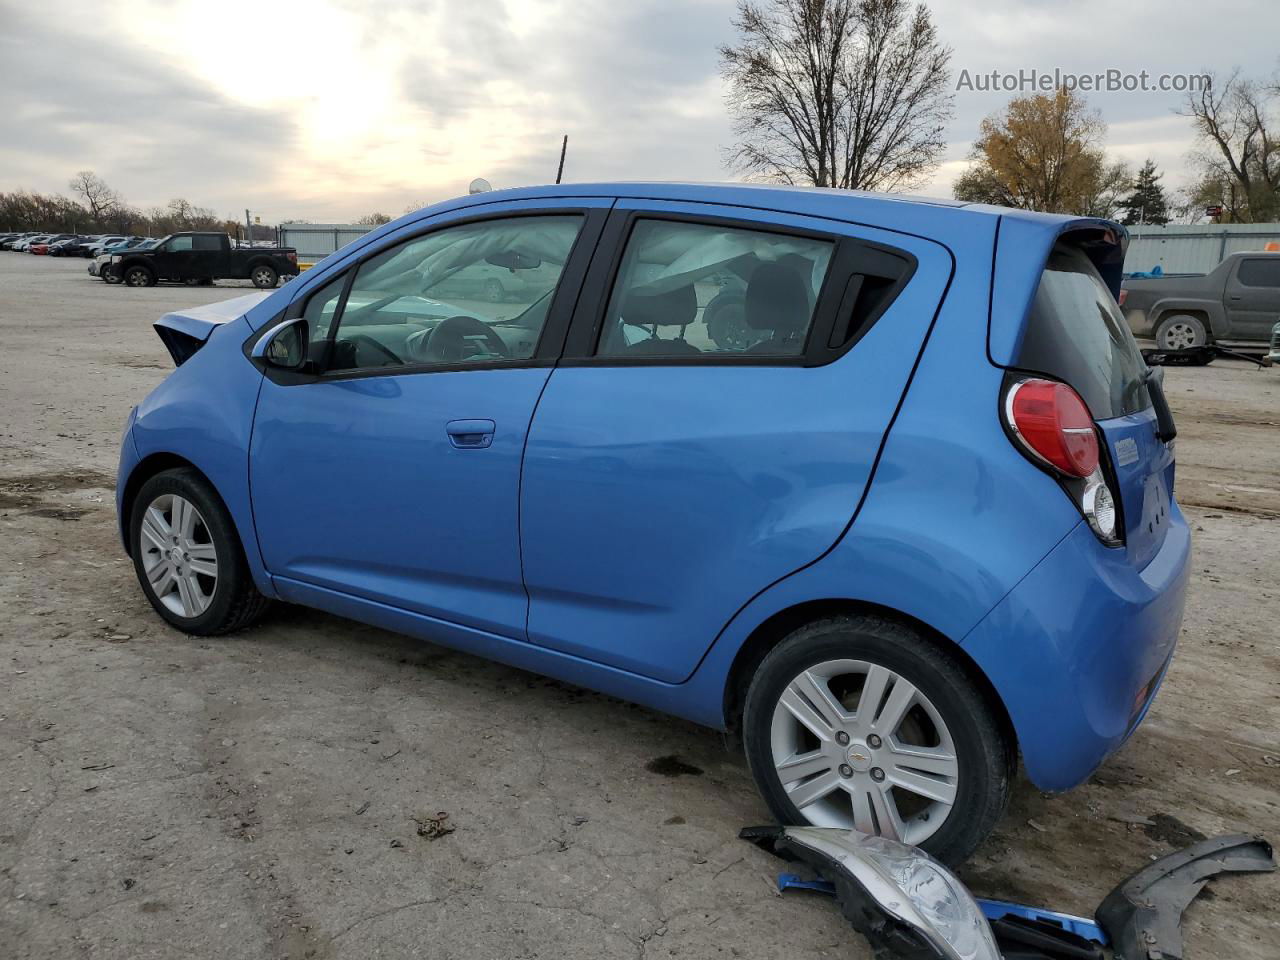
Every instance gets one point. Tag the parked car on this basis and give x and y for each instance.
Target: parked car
(100, 267)
(202, 258)
(99, 246)
(70, 247)
(1238, 301)
(41, 248)
(24, 245)
(12, 243)
(919, 526)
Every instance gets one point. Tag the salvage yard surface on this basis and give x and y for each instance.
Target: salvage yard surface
(317, 788)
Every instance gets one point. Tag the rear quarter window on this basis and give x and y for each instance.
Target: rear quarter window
(1075, 333)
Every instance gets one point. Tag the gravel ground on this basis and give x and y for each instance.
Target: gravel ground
(273, 794)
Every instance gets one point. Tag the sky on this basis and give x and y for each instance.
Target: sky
(325, 110)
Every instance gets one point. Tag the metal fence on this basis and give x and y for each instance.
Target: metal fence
(1193, 249)
(315, 241)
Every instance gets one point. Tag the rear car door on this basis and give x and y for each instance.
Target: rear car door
(1253, 297)
(209, 257)
(392, 473)
(728, 381)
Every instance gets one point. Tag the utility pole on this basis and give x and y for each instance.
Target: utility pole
(564, 145)
(248, 226)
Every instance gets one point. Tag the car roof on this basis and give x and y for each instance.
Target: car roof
(810, 201)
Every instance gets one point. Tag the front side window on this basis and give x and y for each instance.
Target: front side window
(178, 244)
(697, 290)
(475, 293)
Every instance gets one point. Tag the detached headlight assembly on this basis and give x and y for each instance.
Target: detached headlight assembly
(905, 902)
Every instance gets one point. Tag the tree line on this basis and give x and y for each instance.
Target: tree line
(857, 94)
(96, 208)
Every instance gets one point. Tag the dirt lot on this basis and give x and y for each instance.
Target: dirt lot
(265, 795)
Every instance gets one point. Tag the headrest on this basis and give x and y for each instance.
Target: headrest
(677, 308)
(777, 299)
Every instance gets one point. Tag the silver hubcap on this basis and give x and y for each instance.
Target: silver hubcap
(262, 276)
(1180, 336)
(178, 555)
(856, 745)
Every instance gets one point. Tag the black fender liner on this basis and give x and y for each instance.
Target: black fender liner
(1143, 915)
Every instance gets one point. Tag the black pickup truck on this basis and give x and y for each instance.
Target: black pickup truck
(201, 258)
(1237, 302)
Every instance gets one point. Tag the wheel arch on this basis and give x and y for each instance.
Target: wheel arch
(1210, 314)
(774, 629)
(145, 469)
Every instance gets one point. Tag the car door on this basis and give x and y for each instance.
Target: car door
(392, 473)
(172, 259)
(209, 257)
(674, 469)
(1253, 297)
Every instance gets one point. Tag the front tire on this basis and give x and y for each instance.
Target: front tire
(139, 277)
(188, 557)
(923, 759)
(264, 277)
(1180, 332)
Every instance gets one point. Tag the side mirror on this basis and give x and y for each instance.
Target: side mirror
(284, 346)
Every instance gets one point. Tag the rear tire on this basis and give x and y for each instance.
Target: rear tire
(188, 557)
(1181, 331)
(264, 277)
(872, 784)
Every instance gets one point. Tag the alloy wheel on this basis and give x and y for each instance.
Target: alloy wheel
(855, 744)
(178, 555)
(1180, 336)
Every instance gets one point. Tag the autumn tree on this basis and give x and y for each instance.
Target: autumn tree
(1146, 203)
(99, 198)
(1044, 152)
(1237, 121)
(837, 93)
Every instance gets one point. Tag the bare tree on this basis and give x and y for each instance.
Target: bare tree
(98, 197)
(837, 93)
(373, 220)
(1236, 120)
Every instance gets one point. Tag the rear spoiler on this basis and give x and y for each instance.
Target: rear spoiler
(183, 332)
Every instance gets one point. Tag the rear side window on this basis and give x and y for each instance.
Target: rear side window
(691, 290)
(206, 242)
(1076, 333)
(1260, 273)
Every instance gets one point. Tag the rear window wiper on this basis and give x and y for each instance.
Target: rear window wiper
(1166, 430)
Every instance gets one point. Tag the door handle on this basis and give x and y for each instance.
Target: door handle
(1235, 296)
(470, 434)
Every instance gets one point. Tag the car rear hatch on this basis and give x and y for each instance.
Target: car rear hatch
(1075, 333)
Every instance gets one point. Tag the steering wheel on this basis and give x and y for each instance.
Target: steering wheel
(364, 340)
(453, 341)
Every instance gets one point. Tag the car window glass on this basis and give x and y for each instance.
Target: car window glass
(1260, 272)
(178, 244)
(206, 243)
(322, 307)
(692, 289)
(474, 293)
(1075, 332)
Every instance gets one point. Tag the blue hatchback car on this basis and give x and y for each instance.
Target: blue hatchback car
(901, 513)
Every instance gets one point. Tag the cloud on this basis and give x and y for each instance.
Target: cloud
(328, 110)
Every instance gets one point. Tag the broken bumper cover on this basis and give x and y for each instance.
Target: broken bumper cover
(1143, 915)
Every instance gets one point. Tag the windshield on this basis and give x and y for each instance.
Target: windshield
(1076, 333)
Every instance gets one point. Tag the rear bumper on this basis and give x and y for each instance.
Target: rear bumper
(1078, 649)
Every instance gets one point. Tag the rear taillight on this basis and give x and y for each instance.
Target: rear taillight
(1124, 295)
(293, 257)
(1053, 423)
(1052, 426)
